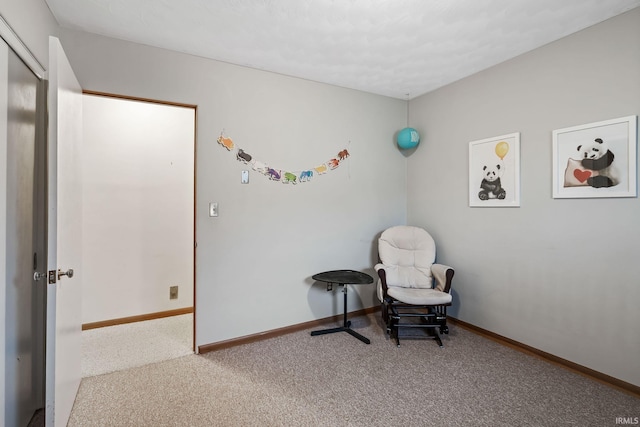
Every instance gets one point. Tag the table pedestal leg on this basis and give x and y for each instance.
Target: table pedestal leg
(346, 325)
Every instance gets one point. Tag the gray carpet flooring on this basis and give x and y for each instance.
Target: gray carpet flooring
(336, 380)
(119, 347)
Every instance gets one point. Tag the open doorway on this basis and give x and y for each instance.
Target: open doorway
(138, 231)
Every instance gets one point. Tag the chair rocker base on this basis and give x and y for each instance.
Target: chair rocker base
(432, 319)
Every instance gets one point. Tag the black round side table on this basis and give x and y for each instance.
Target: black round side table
(343, 278)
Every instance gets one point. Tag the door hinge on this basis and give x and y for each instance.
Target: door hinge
(52, 277)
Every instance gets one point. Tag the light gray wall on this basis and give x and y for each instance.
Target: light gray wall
(255, 261)
(560, 275)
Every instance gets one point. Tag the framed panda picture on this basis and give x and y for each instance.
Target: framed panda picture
(494, 171)
(596, 160)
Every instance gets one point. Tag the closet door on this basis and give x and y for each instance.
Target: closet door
(24, 297)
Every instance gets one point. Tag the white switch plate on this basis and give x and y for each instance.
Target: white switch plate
(213, 209)
(245, 177)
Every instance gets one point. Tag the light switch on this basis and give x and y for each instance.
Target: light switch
(245, 177)
(213, 209)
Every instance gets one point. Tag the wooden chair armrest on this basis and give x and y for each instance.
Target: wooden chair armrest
(382, 274)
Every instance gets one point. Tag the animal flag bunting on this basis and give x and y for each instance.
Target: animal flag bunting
(284, 176)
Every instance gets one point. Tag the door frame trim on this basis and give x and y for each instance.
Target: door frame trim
(195, 176)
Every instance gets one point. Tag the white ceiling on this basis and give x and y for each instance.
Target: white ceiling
(397, 48)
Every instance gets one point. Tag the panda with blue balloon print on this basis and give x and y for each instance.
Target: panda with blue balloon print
(491, 187)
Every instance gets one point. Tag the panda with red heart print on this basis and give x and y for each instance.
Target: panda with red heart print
(597, 157)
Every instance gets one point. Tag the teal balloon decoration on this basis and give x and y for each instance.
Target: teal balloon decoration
(408, 138)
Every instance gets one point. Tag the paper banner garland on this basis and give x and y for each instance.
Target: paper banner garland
(279, 175)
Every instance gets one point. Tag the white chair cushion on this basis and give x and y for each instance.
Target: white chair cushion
(407, 254)
(419, 296)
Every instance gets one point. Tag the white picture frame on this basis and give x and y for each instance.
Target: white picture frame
(494, 171)
(596, 160)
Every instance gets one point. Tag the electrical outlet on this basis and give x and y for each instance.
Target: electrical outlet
(173, 292)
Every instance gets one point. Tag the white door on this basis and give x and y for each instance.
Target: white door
(64, 320)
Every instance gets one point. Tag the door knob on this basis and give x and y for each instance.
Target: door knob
(37, 276)
(68, 273)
